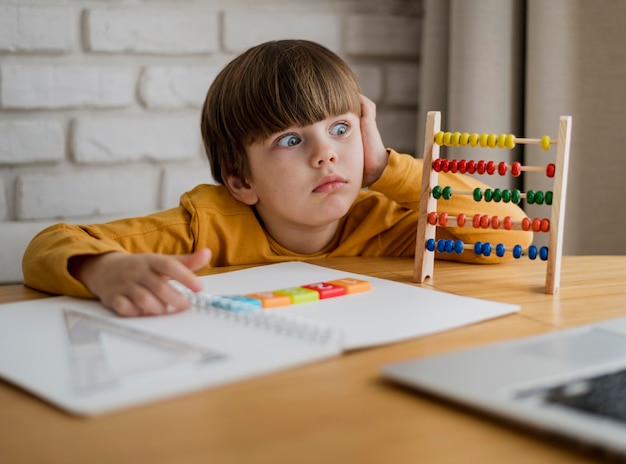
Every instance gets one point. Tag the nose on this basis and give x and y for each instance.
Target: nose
(323, 153)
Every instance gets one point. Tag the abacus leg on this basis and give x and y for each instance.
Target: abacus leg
(424, 260)
(553, 273)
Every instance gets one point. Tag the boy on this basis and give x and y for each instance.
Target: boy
(292, 142)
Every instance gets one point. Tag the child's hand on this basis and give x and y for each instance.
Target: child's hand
(137, 284)
(374, 152)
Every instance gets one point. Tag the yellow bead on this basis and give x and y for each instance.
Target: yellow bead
(545, 142)
(454, 139)
(473, 139)
(492, 140)
(464, 138)
(483, 140)
(446, 138)
(510, 141)
(501, 140)
(439, 138)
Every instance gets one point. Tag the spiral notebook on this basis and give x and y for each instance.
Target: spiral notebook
(83, 359)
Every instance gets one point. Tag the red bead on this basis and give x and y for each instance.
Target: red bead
(445, 165)
(432, 218)
(550, 169)
(491, 167)
(460, 220)
(484, 221)
(526, 224)
(502, 168)
(476, 221)
(437, 165)
(545, 225)
(454, 166)
(471, 166)
(536, 225)
(443, 219)
(495, 222)
(463, 166)
(480, 167)
(508, 223)
(516, 168)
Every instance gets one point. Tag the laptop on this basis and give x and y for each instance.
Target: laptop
(570, 383)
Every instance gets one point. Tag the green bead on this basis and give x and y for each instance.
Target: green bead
(548, 198)
(516, 196)
(447, 192)
(488, 195)
(437, 192)
(478, 194)
(539, 197)
(497, 195)
(506, 196)
(530, 197)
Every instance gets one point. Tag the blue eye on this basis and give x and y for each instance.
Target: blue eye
(289, 140)
(340, 128)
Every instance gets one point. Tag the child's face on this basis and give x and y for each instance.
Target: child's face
(307, 176)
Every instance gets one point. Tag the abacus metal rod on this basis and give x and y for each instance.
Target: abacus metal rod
(528, 141)
(470, 192)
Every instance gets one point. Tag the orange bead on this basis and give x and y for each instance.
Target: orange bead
(443, 219)
(536, 225)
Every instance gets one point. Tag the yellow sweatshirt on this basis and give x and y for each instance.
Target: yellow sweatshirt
(381, 222)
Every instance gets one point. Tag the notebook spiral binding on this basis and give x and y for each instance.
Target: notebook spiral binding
(289, 325)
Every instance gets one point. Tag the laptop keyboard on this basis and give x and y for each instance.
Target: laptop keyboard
(604, 395)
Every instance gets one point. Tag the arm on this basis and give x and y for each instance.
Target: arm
(114, 262)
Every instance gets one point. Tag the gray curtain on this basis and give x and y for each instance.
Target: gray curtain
(515, 66)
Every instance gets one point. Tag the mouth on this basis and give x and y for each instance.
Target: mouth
(330, 184)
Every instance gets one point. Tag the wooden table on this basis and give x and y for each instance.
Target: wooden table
(339, 410)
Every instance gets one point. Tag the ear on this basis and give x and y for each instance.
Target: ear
(240, 190)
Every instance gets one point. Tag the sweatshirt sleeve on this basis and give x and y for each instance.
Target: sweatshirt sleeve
(401, 182)
(45, 261)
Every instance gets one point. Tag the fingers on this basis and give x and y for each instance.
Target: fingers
(138, 285)
(368, 107)
(193, 262)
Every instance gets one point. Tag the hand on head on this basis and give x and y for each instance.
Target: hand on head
(374, 151)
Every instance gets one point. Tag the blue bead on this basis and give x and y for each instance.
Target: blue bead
(500, 250)
(532, 252)
(478, 248)
(441, 246)
(487, 249)
(449, 246)
(543, 253)
(458, 246)
(517, 251)
(430, 244)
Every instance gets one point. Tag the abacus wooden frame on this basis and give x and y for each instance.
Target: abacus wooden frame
(424, 259)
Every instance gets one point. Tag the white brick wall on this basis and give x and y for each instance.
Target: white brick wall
(34, 86)
(122, 140)
(100, 100)
(172, 30)
(38, 29)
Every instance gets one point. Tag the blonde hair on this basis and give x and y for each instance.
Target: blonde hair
(267, 89)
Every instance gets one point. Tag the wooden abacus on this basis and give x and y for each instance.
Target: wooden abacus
(429, 219)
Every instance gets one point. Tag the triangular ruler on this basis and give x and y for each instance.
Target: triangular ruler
(97, 342)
